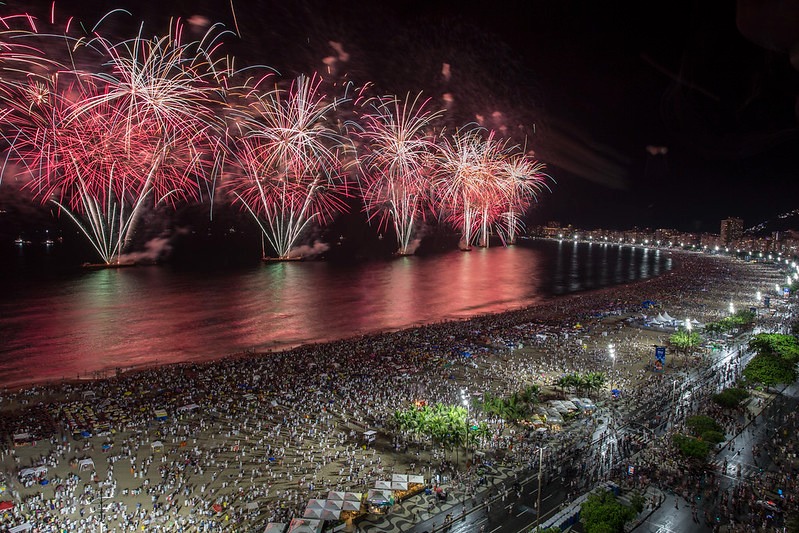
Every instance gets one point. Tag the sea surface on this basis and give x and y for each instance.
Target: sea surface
(91, 322)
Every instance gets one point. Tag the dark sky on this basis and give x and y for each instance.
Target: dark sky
(590, 85)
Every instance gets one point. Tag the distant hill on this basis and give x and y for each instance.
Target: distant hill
(784, 222)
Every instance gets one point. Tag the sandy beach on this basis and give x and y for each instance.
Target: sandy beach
(235, 443)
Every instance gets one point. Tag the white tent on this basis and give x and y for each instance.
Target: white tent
(332, 510)
(351, 505)
(157, 444)
(416, 479)
(312, 513)
(377, 495)
(304, 525)
(188, 407)
(21, 528)
(399, 482)
(316, 504)
(86, 464)
(33, 472)
(383, 485)
(667, 318)
(350, 501)
(331, 515)
(275, 527)
(660, 318)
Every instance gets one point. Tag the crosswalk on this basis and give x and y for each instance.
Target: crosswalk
(747, 470)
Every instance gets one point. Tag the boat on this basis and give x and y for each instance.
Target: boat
(281, 259)
(100, 266)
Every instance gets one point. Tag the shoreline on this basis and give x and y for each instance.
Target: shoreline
(542, 305)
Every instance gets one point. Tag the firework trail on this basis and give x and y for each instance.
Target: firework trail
(288, 163)
(396, 168)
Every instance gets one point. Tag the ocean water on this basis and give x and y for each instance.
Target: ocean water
(90, 322)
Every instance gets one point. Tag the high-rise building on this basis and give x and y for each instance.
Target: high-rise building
(731, 230)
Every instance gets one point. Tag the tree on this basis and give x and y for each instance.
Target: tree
(595, 381)
(691, 447)
(685, 341)
(769, 370)
(603, 513)
(778, 345)
(730, 398)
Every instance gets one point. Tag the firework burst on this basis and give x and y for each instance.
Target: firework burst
(288, 162)
(99, 145)
(396, 168)
(468, 185)
(525, 179)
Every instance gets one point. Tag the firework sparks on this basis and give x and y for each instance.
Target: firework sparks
(289, 162)
(399, 144)
(525, 179)
(467, 184)
(100, 145)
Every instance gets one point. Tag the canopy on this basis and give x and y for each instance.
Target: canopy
(86, 464)
(667, 317)
(305, 525)
(188, 407)
(275, 527)
(21, 528)
(416, 479)
(6, 505)
(160, 414)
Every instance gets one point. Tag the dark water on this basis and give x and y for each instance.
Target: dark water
(95, 321)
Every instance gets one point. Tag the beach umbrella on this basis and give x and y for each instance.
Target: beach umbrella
(6, 505)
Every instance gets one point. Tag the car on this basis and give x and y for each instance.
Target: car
(769, 505)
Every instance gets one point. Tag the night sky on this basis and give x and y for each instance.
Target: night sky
(645, 117)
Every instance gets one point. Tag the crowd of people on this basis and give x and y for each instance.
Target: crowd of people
(249, 440)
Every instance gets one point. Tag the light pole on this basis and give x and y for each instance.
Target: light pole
(538, 498)
(465, 402)
(612, 353)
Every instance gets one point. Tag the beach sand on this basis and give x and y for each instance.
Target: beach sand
(269, 431)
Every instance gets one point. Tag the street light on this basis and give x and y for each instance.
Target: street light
(540, 475)
(465, 402)
(612, 353)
